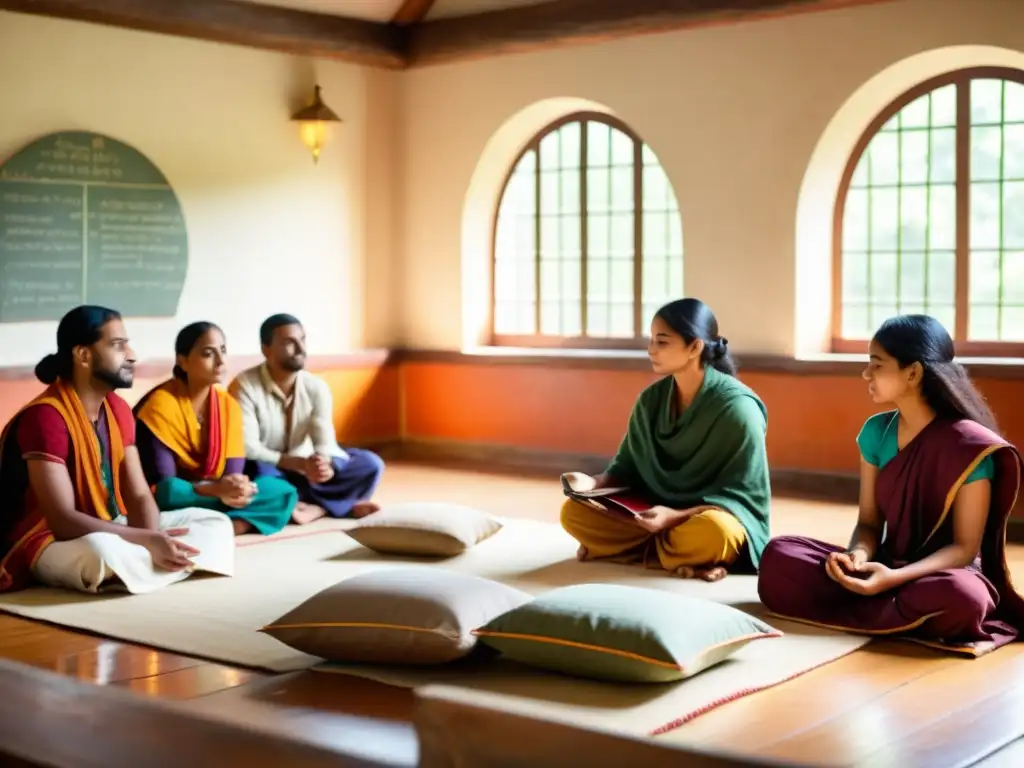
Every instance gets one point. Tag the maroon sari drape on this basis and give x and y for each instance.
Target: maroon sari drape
(970, 610)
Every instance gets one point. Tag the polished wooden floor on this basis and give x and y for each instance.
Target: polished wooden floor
(891, 704)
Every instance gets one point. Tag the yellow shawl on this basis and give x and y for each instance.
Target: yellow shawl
(167, 412)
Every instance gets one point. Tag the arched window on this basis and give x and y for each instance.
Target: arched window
(588, 241)
(930, 215)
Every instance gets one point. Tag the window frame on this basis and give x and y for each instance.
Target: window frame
(962, 79)
(544, 341)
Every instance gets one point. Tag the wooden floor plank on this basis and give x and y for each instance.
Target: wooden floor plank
(112, 662)
(32, 642)
(188, 683)
(340, 694)
(961, 738)
(820, 697)
(888, 727)
(86, 657)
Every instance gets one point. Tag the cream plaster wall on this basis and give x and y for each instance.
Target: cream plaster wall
(735, 114)
(268, 230)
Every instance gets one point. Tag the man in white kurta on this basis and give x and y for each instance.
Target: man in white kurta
(288, 418)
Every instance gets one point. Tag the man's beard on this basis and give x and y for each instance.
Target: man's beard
(120, 378)
(296, 363)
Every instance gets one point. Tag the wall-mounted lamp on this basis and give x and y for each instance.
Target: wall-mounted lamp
(313, 122)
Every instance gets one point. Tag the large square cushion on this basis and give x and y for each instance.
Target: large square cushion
(622, 633)
(396, 615)
(432, 529)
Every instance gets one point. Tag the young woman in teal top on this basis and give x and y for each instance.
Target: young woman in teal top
(927, 558)
(878, 445)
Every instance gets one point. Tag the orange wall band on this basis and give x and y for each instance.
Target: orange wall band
(813, 419)
(814, 410)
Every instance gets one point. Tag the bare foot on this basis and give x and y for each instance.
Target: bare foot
(713, 574)
(717, 573)
(363, 508)
(305, 513)
(241, 526)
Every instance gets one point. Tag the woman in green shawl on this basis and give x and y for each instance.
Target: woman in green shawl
(695, 449)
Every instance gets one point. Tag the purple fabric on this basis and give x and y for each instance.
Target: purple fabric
(915, 491)
(159, 462)
(355, 479)
(794, 583)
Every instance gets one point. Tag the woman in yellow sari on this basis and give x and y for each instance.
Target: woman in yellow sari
(190, 439)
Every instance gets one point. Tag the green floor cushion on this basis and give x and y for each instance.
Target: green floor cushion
(396, 615)
(622, 633)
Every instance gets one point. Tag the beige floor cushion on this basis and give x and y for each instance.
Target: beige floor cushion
(396, 615)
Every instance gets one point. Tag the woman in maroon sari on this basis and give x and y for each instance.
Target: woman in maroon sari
(927, 557)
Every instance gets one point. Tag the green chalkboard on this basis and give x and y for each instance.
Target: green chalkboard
(86, 219)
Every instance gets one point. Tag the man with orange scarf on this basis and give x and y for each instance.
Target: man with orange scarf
(78, 512)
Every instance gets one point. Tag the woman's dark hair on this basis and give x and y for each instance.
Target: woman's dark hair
(187, 339)
(80, 327)
(945, 384)
(692, 319)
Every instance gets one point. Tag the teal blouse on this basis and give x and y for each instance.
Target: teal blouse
(878, 445)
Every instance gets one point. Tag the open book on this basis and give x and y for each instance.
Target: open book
(619, 503)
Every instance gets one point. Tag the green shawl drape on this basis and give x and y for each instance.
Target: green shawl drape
(712, 453)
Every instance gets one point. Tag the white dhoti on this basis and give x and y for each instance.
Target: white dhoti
(88, 563)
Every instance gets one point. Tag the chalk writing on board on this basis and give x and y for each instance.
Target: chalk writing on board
(86, 219)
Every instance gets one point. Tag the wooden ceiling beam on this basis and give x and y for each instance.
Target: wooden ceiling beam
(575, 22)
(407, 41)
(412, 12)
(222, 21)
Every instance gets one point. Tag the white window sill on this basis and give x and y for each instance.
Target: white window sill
(557, 352)
(838, 357)
(563, 353)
